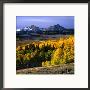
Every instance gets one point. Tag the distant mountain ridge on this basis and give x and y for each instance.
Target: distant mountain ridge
(55, 29)
(33, 27)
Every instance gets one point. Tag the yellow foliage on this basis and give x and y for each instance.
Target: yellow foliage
(63, 50)
(56, 56)
(18, 48)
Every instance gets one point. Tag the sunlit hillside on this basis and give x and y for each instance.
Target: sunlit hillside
(45, 53)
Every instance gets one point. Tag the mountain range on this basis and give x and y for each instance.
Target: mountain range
(55, 29)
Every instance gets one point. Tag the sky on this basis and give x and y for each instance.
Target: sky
(44, 21)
